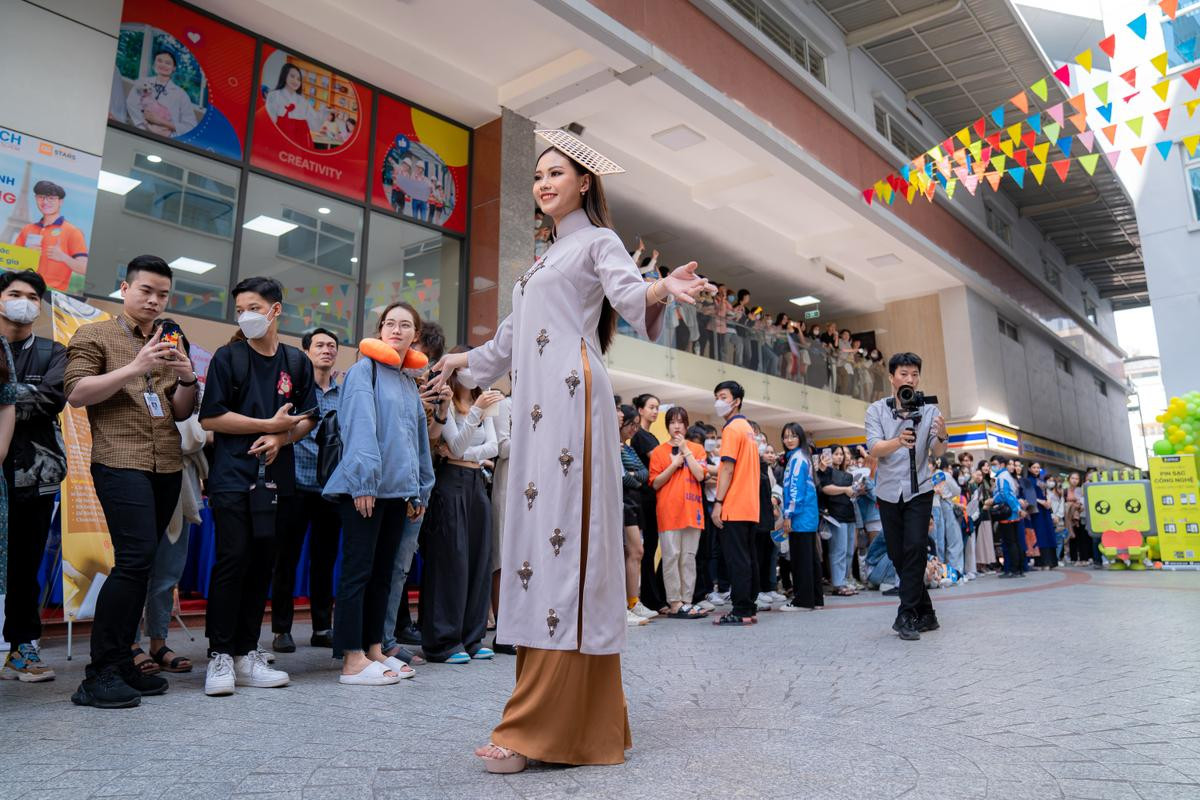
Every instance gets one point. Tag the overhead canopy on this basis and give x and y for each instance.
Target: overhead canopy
(961, 59)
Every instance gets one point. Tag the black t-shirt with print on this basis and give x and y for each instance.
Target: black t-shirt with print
(268, 384)
(838, 506)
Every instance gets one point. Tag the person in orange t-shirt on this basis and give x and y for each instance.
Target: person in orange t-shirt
(63, 249)
(735, 512)
(676, 472)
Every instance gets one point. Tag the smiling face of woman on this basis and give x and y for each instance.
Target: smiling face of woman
(294, 81)
(558, 186)
(164, 65)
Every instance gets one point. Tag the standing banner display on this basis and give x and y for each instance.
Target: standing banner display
(87, 553)
(421, 165)
(311, 124)
(47, 205)
(1175, 483)
(182, 75)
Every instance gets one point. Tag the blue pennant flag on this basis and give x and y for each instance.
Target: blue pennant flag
(1106, 112)
(941, 179)
(1164, 148)
(1064, 144)
(1187, 50)
(1018, 175)
(929, 169)
(1138, 26)
(998, 116)
(905, 171)
(1035, 122)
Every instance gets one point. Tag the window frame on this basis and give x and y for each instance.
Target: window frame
(1191, 164)
(744, 9)
(991, 213)
(1008, 329)
(1089, 309)
(1052, 274)
(363, 202)
(1063, 362)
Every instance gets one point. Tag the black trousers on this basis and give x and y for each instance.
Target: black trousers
(28, 527)
(906, 531)
(704, 579)
(737, 544)
(764, 552)
(137, 507)
(456, 543)
(1012, 539)
(806, 569)
(1079, 549)
(653, 593)
(311, 513)
(369, 546)
(241, 575)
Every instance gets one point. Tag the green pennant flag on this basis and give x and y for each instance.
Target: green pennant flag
(975, 148)
(1039, 89)
(997, 163)
(1101, 91)
(1135, 125)
(1089, 162)
(1051, 130)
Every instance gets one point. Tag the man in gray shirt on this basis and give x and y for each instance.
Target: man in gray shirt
(905, 511)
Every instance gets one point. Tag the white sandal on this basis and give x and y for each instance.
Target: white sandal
(511, 762)
(399, 667)
(372, 674)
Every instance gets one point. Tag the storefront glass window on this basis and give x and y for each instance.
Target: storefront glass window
(309, 243)
(415, 264)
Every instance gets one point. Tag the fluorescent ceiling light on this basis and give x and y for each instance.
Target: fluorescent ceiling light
(192, 265)
(353, 259)
(885, 260)
(269, 225)
(115, 294)
(807, 300)
(322, 210)
(153, 159)
(324, 302)
(410, 274)
(116, 184)
(678, 138)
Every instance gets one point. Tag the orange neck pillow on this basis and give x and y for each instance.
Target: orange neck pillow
(380, 351)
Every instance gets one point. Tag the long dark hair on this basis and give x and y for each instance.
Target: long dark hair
(797, 430)
(595, 205)
(283, 73)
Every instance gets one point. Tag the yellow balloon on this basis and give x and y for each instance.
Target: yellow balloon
(1191, 448)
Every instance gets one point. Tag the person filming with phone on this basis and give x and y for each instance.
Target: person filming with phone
(903, 431)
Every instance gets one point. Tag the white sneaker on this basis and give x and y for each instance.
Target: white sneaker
(644, 612)
(633, 620)
(972, 576)
(704, 605)
(252, 670)
(776, 597)
(724, 598)
(218, 680)
(266, 655)
(764, 601)
(716, 599)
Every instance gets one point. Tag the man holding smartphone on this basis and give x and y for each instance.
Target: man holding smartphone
(905, 513)
(135, 387)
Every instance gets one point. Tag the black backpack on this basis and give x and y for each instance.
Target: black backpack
(329, 440)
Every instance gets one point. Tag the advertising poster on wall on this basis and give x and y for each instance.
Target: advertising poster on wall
(87, 553)
(421, 164)
(311, 124)
(47, 205)
(182, 75)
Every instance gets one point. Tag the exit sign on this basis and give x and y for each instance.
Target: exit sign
(816, 312)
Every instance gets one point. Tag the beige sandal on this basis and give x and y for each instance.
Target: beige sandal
(511, 762)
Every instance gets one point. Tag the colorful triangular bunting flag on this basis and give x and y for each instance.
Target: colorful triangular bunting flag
(1110, 133)
(1029, 139)
(1079, 103)
(1063, 74)
(1014, 131)
(1138, 26)
(950, 187)
(1051, 131)
(1169, 7)
(1164, 148)
(868, 195)
(1135, 125)
(1087, 139)
(1039, 89)
(1035, 122)
(1105, 111)
(998, 162)
(1062, 168)
(1112, 156)
(1042, 152)
(1129, 97)
(1138, 152)
(971, 182)
(1089, 162)
(1101, 90)
(1007, 148)
(980, 127)
(1161, 88)
(1190, 143)
(1109, 44)
(1160, 63)
(1064, 144)
(1192, 76)
(1021, 101)
(1018, 176)
(1162, 117)
(1021, 157)
(1079, 121)
(964, 136)
(1084, 60)
(1130, 76)
(994, 179)
(998, 116)
(1039, 172)
(1190, 105)
(1056, 112)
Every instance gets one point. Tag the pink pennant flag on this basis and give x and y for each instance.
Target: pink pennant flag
(1063, 74)
(1113, 155)
(1086, 138)
(1056, 113)
(971, 182)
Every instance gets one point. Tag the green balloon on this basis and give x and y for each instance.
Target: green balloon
(1163, 448)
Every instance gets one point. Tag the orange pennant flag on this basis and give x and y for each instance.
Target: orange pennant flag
(1162, 117)
(1110, 131)
(1109, 45)
(1130, 77)
(1079, 121)
(1062, 167)
(1138, 152)
(994, 179)
(1021, 101)
(1169, 7)
(1078, 103)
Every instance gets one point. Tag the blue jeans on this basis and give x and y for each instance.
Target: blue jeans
(841, 550)
(403, 563)
(947, 536)
(169, 562)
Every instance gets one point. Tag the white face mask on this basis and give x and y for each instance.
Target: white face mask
(723, 407)
(710, 445)
(22, 311)
(762, 449)
(253, 324)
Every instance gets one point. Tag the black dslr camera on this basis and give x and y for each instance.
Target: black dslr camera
(911, 400)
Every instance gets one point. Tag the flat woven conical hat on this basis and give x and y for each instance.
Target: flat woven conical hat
(592, 161)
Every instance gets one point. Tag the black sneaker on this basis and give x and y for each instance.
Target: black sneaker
(409, 635)
(905, 626)
(733, 619)
(927, 622)
(892, 592)
(283, 643)
(143, 684)
(321, 639)
(105, 690)
(505, 649)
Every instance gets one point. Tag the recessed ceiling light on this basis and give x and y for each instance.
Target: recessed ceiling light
(115, 294)
(324, 302)
(269, 225)
(806, 300)
(191, 265)
(678, 138)
(116, 184)
(353, 259)
(885, 260)
(410, 274)
(322, 210)
(153, 159)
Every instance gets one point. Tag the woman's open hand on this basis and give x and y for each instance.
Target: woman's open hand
(444, 368)
(685, 285)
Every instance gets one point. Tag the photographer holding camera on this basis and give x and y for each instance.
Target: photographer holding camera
(903, 431)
